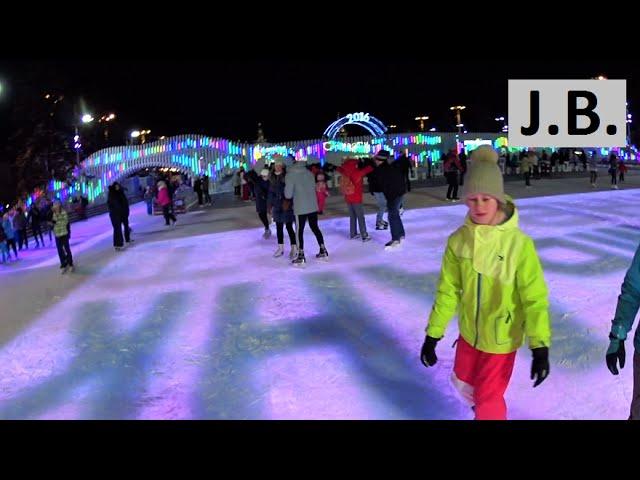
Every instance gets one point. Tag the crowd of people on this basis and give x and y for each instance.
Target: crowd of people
(491, 276)
(532, 164)
(43, 218)
(294, 192)
(388, 181)
(278, 201)
(50, 218)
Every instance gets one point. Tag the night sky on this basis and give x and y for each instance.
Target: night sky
(293, 99)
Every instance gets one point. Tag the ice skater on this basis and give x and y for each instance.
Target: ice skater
(452, 171)
(118, 214)
(34, 218)
(593, 169)
(351, 188)
(4, 249)
(613, 170)
(394, 187)
(301, 188)
(375, 182)
(164, 200)
(626, 311)
(322, 191)
(261, 188)
(622, 169)
(61, 230)
(282, 210)
(10, 234)
(492, 279)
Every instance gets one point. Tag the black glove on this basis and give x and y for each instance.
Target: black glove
(428, 355)
(615, 354)
(540, 365)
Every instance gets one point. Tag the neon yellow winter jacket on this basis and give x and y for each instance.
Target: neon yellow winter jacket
(492, 278)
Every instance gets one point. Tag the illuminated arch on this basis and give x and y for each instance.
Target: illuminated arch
(370, 123)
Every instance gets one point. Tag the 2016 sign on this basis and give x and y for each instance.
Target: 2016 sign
(358, 117)
(567, 113)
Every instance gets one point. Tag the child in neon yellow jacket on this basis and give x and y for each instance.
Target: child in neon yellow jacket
(492, 278)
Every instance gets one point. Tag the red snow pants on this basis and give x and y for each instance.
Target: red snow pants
(482, 378)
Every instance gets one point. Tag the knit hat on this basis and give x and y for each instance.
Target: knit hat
(278, 160)
(484, 175)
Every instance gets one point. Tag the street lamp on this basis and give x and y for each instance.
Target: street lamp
(86, 118)
(142, 134)
(421, 120)
(458, 109)
(106, 119)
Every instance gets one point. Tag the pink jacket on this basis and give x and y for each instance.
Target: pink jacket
(163, 197)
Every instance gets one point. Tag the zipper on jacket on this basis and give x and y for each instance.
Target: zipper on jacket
(475, 344)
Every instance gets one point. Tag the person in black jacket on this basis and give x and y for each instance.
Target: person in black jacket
(125, 202)
(34, 217)
(394, 187)
(20, 226)
(404, 164)
(261, 190)
(281, 209)
(205, 189)
(45, 216)
(374, 180)
(119, 215)
(463, 164)
(197, 187)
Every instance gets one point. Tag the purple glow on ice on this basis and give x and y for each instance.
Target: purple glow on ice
(211, 326)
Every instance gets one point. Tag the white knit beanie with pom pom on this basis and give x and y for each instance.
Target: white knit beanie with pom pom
(484, 175)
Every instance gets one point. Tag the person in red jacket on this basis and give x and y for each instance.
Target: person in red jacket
(452, 169)
(164, 200)
(351, 188)
(322, 192)
(622, 168)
